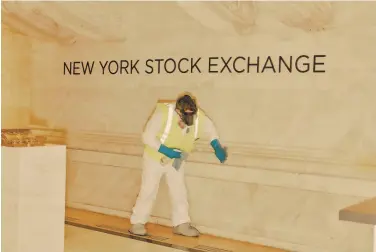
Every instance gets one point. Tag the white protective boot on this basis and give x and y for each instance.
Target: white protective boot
(138, 229)
(187, 230)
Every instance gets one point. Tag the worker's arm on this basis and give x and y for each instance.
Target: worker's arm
(153, 126)
(209, 128)
(149, 136)
(211, 132)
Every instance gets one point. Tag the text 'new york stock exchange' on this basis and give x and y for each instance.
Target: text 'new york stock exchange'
(211, 65)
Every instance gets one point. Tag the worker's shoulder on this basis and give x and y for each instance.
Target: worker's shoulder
(201, 111)
(165, 101)
(162, 106)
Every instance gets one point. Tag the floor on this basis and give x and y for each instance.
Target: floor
(85, 240)
(92, 232)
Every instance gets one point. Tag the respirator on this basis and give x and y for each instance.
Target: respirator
(188, 117)
(187, 107)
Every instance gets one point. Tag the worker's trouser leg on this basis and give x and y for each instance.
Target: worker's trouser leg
(152, 173)
(178, 194)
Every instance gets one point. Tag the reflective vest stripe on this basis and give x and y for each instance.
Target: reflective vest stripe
(196, 124)
(169, 123)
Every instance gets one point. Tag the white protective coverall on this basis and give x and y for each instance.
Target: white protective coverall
(153, 171)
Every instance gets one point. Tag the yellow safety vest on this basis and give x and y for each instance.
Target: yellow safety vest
(172, 135)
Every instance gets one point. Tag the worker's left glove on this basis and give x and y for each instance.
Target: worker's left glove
(220, 152)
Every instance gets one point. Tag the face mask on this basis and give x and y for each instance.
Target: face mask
(188, 117)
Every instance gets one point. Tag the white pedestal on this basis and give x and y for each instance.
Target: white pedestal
(33, 198)
(374, 238)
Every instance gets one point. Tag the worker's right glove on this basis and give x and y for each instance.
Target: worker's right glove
(171, 153)
(220, 152)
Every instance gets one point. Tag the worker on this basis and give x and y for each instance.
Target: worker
(169, 136)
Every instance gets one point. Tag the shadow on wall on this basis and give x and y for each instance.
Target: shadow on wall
(40, 126)
(66, 23)
(241, 18)
(52, 21)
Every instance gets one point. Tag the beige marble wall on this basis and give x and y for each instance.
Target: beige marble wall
(302, 146)
(15, 79)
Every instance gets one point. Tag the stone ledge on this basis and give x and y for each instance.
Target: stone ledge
(297, 160)
(239, 174)
(363, 212)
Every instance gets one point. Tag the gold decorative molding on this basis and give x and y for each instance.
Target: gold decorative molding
(51, 136)
(20, 138)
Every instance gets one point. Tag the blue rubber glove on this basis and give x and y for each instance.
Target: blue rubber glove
(171, 153)
(219, 151)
